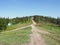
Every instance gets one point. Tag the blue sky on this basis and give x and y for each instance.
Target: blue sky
(19, 8)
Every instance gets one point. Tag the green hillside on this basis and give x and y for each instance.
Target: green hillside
(52, 25)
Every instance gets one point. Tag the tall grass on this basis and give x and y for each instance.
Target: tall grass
(15, 37)
(54, 37)
(50, 27)
(49, 40)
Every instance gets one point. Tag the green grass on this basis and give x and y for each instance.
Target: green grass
(15, 37)
(54, 37)
(50, 28)
(19, 25)
(49, 40)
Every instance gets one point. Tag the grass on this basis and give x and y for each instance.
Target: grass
(49, 40)
(15, 37)
(54, 37)
(50, 28)
(19, 25)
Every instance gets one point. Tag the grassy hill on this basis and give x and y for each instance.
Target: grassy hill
(50, 25)
(54, 37)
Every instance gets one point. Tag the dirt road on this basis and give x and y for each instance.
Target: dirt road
(36, 38)
(17, 29)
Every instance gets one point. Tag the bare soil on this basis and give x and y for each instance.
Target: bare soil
(35, 37)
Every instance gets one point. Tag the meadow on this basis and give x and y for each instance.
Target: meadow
(15, 37)
(54, 37)
(19, 25)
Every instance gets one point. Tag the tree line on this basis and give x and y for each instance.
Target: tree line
(21, 20)
(4, 21)
(38, 19)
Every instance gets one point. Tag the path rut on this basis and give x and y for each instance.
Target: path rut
(36, 38)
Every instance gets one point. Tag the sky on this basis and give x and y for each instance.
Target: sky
(20, 8)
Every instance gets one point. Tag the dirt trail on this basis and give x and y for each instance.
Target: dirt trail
(17, 29)
(36, 38)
